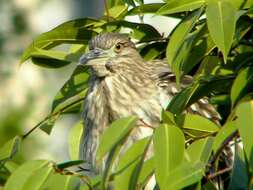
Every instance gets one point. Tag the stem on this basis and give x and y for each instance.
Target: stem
(49, 116)
(35, 127)
(106, 10)
(210, 176)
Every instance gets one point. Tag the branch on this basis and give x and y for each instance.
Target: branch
(210, 176)
(50, 116)
(106, 10)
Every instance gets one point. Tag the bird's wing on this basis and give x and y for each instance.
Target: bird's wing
(166, 82)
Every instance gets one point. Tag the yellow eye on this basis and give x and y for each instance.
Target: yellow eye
(118, 47)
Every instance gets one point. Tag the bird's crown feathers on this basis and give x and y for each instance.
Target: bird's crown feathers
(107, 40)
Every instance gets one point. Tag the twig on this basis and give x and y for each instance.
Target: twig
(106, 10)
(49, 116)
(210, 176)
(155, 39)
(35, 127)
(146, 125)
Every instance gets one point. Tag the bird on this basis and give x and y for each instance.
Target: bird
(122, 84)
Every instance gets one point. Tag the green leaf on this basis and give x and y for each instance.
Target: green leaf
(61, 182)
(93, 182)
(68, 32)
(69, 164)
(49, 62)
(10, 165)
(30, 173)
(152, 51)
(183, 176)
(127, 170)
(38, 178)
(75, 139)
(244, 122)
(72, 93)
(146, 171)
(141, 32)
(199, 124)
(48, 124)
(202, 46)
(10, 148)
(130, 2)
(117, 11)
(180, 42)
(200, 150)
(114, 133)
(228, 129)
(203, 86)
(144, 8)
(168, 118)
(239, 177)
(113, 3)
(176, 6)
(221, 19)
(132, 153)
(168, 151)
(53, 54)
(241, 84)
(209, 65)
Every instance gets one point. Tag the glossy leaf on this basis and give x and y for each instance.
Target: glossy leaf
(198, 123)
(200, 150)
(153, 50)
(145, 8)
(49, 123)
(175, 6)
(114, 133)
(113, 3)
(146, 171)
(183, 176)
(68, 32)
(239, 176)
(244, 122)
(75, 139)
(168, 151)
(127, 169)
(72, 93)
(243, 81)
(228, 129)
(10, 148)
(168, 117)
(142, 32)
(180, 42)
(204, 86)
(69, 164)
(61, 182)
(38, 178)
(117, 11)
(221, 20)
(29, 173)
(201, 47)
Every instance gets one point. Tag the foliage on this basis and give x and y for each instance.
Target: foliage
(213, 43)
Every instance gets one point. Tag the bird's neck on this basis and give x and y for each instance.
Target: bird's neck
(96, 111)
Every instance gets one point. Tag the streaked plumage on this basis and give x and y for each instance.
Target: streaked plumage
(123, 84)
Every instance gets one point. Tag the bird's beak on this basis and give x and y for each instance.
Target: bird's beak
(96, 53)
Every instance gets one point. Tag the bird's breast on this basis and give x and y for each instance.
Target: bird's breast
(132, 97)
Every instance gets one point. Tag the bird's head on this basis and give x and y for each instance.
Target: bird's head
(109, 53)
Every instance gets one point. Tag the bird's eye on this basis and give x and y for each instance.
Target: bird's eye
(118, 47)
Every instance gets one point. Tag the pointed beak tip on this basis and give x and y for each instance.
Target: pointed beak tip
(92, 54)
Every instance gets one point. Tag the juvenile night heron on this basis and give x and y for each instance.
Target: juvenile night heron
(122, 83)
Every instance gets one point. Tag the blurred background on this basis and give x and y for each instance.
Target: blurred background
(27, 91)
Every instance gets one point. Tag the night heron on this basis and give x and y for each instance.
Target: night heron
(121, 84)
